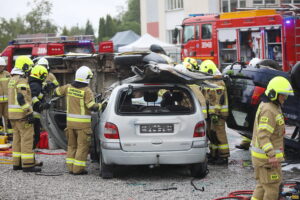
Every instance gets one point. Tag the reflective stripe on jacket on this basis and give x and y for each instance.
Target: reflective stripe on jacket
(4, 78)
(79, 102)
(18, 84)
(217, 98)
(268, 131)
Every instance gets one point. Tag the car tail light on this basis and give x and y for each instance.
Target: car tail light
(258, 91)
(199, 129)
(111, 131)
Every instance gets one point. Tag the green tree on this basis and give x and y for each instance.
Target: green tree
(37, 19)
(76, 30)
(89, 28)
(65, 31)
(101, 29)
(10, 29)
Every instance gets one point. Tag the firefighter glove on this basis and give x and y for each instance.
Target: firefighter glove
(30, 118)
(44, 106)
(214, 118)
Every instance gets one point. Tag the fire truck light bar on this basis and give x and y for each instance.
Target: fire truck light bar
(195, 15)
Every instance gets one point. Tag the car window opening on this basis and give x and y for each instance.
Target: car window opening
(156, 100)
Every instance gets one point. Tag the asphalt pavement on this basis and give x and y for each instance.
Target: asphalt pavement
(131, 183)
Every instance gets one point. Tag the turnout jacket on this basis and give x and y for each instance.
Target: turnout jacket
(268, 132)
(4, 78)
(196, 89)
(79, 103)
(19, 97)
(217, 98)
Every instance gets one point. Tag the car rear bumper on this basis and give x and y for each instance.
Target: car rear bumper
(119, 157)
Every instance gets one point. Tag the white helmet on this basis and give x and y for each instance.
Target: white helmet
(254, 61)
(2, 61)
(43, 61)
(16, 71)
(83, 74)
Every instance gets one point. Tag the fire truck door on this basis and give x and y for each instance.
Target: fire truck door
(189, 41)
(205, 46)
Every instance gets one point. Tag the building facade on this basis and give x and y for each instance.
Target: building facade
(159, 18)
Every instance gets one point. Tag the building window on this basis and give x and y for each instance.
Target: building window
(174, 4)
(257, 1)
(260, 2)
(232, 5)
(225, 6)
(290, 1)
(206, 31)
(170, 36)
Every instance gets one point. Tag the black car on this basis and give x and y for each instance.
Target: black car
(245, 86)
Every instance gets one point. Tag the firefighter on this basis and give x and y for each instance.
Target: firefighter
(20, 114)
(217, 103)
(267, 140)
(192, 65)
(50, 82)
(37, 77)
(80, 100)
(4, 78)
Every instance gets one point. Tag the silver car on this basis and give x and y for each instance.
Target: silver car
(151, 124)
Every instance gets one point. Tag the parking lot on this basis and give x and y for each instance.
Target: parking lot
(165, 182)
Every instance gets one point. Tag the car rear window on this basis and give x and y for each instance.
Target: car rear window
(155, 100)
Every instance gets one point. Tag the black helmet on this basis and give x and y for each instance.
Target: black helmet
(157, 49)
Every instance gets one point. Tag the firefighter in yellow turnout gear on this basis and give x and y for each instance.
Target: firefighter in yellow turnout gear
(20, 114)
(267, 140)
(37, 76)
(192, 65)
(50, 82)
(217, 103)
(4, 78)
(80, 100)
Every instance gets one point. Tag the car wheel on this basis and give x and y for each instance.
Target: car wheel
(199, 170)
(106, 171)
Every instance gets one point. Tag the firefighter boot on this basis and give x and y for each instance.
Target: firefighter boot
(15, 167)
(242, 146)
(32, 169)
(84, 172)
(221, 161)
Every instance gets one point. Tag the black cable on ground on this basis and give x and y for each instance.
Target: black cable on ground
(196, 188)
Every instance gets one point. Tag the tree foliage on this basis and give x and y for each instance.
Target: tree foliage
(89, 28)
(37, 19)
(126, 20)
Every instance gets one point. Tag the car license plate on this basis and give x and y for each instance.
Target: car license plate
(157, 128)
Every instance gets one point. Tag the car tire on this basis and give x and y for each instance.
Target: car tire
(199, 170)
(106, 171)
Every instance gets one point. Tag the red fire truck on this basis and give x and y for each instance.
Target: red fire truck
(46, 44)
(243, 35)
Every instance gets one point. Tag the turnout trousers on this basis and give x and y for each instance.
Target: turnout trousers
(268, 183)
(218, 139)
(4, 114)
(79, 141)
(23, 155)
